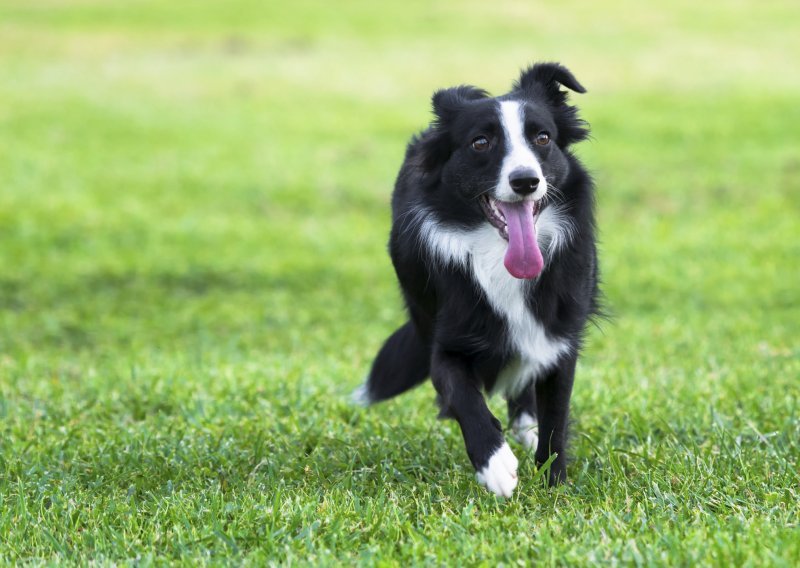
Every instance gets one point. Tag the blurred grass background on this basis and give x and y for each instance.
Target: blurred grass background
(193, 217)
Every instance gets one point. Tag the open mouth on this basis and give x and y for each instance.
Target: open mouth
(495, 215)
(516, 223)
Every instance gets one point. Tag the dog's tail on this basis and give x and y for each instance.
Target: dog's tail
(402, 363)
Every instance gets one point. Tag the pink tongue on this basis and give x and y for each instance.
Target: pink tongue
(523, 257)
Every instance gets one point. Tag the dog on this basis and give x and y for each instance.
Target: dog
(493, 244)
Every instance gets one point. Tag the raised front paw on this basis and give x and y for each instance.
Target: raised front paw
(500, 474)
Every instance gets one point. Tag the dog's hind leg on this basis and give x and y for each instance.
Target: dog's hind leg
(402, 363)
(522, 416)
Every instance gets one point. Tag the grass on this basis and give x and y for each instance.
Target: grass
(193, 217)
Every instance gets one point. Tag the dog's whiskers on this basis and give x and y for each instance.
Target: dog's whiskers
(484, 192)
(555, 192)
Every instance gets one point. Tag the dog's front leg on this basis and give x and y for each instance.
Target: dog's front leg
(552, 397)
(460, 398)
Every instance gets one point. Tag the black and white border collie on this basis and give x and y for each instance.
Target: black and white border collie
(493, 244)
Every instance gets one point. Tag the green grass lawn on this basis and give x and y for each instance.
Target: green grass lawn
(193, 217)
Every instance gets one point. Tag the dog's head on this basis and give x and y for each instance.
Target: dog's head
(496, 159)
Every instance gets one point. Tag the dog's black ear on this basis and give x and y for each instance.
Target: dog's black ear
(545, 80)
(436, 144)
(548, 77)
(447, 102)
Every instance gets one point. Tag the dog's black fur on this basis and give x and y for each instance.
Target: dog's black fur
(454, 333)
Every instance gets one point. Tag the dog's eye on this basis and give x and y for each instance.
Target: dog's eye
(480, 144)
(542, 139)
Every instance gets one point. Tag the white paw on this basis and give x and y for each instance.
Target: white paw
(360, 396)
(500, 474)
(526, 430)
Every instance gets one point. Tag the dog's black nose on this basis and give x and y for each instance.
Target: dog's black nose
(523, 181)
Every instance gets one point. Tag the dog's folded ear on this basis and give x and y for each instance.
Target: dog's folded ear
(544, 80)
(548, 77)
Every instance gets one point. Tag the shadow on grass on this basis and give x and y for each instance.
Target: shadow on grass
(81, 312)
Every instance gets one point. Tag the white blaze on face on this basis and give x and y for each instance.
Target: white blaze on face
(518, 153)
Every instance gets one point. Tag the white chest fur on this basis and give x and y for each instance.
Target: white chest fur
(483, 249)
(535, 350)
